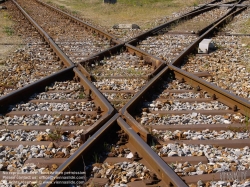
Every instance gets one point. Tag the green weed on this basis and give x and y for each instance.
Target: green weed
(8, 30)
(132, 71)
(56, 134)
(195, 4)
(62, 7)
(96, 157)
(172, 165)
(107, 147)
(74, 12)
(82, 95)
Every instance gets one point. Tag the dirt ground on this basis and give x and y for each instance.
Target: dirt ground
(9, 41)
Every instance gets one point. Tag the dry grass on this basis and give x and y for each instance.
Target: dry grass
(245, 27)
(246, 42)
(8, 41)
(141, 12)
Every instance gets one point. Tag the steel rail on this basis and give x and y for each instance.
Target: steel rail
(234, 6)
(152, 160)
(47, 38)
(201, 7)
(239, 104)
(186, 16)
(100, 55)
(99, 98)
(89, 65)
(235, 102)
(192, 47)
(153, 31)
(101, 107)
(155, 62)
(128, 109)
(159, 166)
(212, 4)
(136, 40)
(65, 74)
(228, 4)
(95, 30)
(26, 91)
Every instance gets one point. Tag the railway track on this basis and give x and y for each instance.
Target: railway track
(199, 130)
(31, 63)
(122, 158)
(128, 34)
(119, 73)
(61, 129)
(196, 129)
(170, 39)
(77, 39)
(49, 124)
(230, 72)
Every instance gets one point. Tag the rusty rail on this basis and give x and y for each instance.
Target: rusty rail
(129, 126)
(47, 38)
(177, 61)
(148, 157)
(95, 30)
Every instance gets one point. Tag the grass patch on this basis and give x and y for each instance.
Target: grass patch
(7, 35)
(82, 95)
(96, 157)
(245, 27)
(56, 134)
(62, 7)
(8, 30)
(6, 24)
(246, 41)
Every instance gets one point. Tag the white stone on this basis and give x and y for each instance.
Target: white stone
(130, 155)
